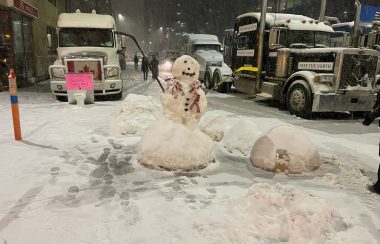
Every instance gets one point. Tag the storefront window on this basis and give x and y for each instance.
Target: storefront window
(54, 2)
(23, 47)
(54, 40)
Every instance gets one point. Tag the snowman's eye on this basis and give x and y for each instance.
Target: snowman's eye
(185, 61)
(188, 68)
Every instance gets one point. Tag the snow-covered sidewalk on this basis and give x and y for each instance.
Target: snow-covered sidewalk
(75, 179)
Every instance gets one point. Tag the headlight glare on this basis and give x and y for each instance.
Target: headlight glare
(112, 72)
(324, 78)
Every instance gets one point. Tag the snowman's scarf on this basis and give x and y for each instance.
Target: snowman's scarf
(175, 88)
(195, 97)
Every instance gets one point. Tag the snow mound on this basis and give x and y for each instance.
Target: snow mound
(274, 214)
(282, 213)
(285, 148)
(241, 137)
(135, 116)
(213, 126)
(173, 146)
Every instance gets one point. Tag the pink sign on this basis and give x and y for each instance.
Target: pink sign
(79, 82)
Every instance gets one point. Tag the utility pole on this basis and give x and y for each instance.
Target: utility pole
(355, 38)
(322, 11)
(264, 5)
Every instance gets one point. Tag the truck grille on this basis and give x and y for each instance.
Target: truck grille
(86, 66)
(358, 70)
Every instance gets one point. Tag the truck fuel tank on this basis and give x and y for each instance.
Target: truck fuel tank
(282, 65)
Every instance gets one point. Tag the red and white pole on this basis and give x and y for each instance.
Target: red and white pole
(14, 104)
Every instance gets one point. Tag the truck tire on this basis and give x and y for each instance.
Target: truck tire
(298, 99)
(217, 79)
(208, 81)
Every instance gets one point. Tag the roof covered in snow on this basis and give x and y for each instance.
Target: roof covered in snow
(202, 39)
(291, 21)
(85, 20)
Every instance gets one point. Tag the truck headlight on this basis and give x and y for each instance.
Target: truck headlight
(324, 78)
(58, 73)
(214, 63)
(112, 72)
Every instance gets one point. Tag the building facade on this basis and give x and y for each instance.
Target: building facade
(86, 6)
(24, 25)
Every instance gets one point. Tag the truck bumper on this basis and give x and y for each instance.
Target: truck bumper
(101, 88)
(361, 100)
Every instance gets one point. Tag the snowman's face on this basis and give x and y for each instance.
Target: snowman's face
(186, 69)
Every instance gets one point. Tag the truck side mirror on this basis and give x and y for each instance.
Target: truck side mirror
(123, 42)
(371, 40)
(49, 40)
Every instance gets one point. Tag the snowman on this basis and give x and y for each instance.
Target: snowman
(174, 142)
(184, 101)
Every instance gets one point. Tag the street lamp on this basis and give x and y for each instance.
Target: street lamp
(120, 17)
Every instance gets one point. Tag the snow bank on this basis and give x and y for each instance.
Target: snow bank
(285, 148)
(135, 116)
(174, 146)
(241, 137)
(213, 126)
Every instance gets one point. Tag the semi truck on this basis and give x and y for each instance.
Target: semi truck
(300, 71)
(206, 49)
(87, 44)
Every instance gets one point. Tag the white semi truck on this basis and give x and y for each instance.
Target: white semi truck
(87, 44)
(206, 49)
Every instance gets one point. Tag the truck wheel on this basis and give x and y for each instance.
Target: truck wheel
(217, 79)
(298, 99)
(208, 81)
(62, 98)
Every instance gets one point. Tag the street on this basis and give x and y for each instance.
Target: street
(70, 180)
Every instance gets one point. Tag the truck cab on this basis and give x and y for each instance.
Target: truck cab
(206, 49)
(87, 44)
(300, 70)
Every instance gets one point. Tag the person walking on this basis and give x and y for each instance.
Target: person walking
(145, 67)
(154, 65)
(369, 118)
(136, 61)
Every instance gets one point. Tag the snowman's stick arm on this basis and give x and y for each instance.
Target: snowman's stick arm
(142, 52)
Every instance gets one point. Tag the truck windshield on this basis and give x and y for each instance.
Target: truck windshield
(207, 47)
(74, 37)
(309, 38)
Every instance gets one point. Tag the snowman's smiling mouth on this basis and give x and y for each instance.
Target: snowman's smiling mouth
(188, 74)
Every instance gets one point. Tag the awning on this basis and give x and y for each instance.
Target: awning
(22, 6)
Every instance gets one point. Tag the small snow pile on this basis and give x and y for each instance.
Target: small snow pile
(281, 214)
(241, 137)
(285, 148)
(213, 126)
(136, 115)
(173, 146)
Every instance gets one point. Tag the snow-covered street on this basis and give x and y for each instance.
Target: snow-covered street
(74, 178)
